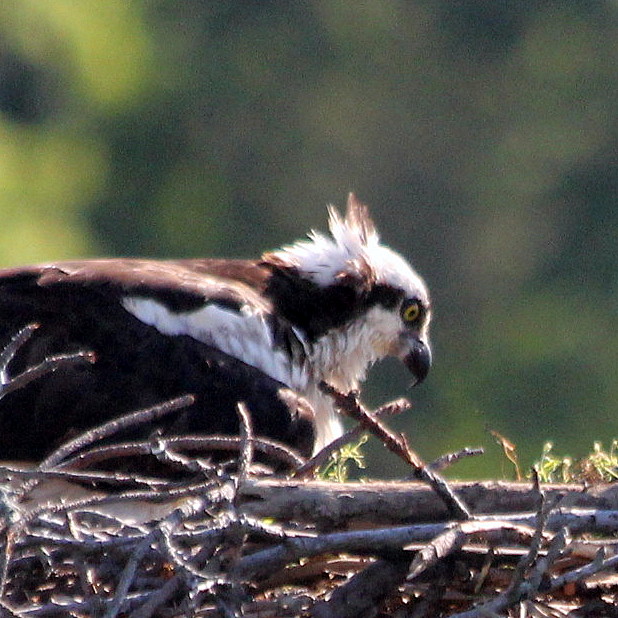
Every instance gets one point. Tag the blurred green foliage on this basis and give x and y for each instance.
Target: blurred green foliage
(483, 134)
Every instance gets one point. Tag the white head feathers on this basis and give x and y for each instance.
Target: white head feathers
(354, 248)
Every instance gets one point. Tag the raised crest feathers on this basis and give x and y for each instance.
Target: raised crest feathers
(326, 260)
(356, 230)
(357, 217)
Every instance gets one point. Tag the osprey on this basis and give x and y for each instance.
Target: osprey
(265, 332)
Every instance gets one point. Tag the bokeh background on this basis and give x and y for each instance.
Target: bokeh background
(483, 134)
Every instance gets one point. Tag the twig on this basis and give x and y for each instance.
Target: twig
(50, 364)
(577, 575)
(363, 592)
(526, 562)
(556, 547)
(349, 404)
(454, 537)
(263, 563)
(91, 607)
(157, 599)
(114, 426)
(453, 503)
(450, 458)
(186, 463)
(211, 491)
(246, 446)
(320, 458)
(127, 577)
(12, 347)
(397, 444)
(520, 588)
(182, 561)
(273, 450)
(118, 478)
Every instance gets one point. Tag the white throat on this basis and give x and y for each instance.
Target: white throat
(343, 356)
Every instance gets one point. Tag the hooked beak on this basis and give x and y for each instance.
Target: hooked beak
(417, 359)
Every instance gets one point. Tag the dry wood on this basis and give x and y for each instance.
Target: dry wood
(239, 552)
(337, 505)
(349, 404)
(221, 539)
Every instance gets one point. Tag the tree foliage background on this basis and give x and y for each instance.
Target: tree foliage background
(483, 133)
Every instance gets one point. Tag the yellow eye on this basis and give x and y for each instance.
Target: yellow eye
(411, 311)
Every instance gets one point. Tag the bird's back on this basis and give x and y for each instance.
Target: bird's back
(135, 366)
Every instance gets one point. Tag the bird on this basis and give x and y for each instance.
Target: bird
(266, 332)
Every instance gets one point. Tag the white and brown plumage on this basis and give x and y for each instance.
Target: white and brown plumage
(224, 330)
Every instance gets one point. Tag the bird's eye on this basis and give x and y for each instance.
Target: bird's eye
(411, 311)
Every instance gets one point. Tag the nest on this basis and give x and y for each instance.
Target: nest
(206, 535)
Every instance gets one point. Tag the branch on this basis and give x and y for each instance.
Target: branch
(394, 502)
(397, 444)
(114, 426)
(205, 444)
(50, 364)
(320, 458)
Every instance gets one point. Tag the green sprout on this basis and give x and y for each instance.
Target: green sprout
(601, 465)
(337, 468)
(553, 469)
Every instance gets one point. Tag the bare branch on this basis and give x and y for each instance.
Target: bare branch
(246, 444)
(50, 364)
(127, 577)
(114, 426)
(449, 459)
(320, 458)
(12, 347)
(205, 444)
(397, 444)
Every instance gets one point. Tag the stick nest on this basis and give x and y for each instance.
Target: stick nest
(206, 534)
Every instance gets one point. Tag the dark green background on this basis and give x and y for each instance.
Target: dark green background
(482, 133)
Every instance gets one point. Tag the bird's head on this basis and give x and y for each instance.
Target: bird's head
(352, 299)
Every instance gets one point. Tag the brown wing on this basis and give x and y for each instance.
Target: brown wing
(181, 284)
(77, 305)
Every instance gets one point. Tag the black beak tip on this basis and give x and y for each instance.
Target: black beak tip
(418, 361)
